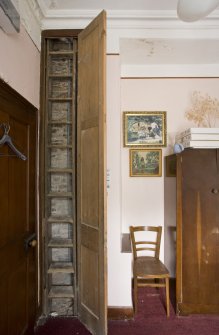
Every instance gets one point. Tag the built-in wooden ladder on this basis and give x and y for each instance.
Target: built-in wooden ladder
(59, 174)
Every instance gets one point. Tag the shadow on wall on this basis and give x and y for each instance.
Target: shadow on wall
(171, 237)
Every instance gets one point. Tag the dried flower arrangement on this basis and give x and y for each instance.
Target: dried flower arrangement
(204, 111)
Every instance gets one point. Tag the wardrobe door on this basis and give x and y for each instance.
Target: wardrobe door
(198, 231)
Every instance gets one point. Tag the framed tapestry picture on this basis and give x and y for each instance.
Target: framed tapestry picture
(145, 162)
(144, 129)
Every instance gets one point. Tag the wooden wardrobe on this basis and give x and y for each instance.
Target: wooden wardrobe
(197, 237)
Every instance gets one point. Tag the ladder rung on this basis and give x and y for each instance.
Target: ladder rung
(60, 76)
(61, 267)
(61, 292)
(60, 195)
(62, 53)
(60, 122)
(60, 243)
(60, 99)
(59, 146)
(54, 170)
(60, 219)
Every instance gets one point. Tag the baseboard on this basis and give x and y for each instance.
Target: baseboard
(120, 313)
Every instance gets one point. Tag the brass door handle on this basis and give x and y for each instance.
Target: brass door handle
(30, 242)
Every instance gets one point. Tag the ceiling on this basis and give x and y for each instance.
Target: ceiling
(109, 4)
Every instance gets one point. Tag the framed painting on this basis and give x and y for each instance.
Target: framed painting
(144, 129)
(145, 162)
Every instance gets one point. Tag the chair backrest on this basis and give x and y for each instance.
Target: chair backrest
(139, 245)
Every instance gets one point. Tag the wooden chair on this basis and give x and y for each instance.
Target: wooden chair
(148, 270)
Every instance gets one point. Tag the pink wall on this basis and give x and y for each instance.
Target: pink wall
(166, 94)
(143, 199)
(20, 64)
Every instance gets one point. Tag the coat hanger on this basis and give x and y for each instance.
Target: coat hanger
(6, 139)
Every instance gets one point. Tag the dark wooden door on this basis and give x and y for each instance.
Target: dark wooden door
(18, 286)
(91, 179)
(198, 232)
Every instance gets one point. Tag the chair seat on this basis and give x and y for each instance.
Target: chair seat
(146, 266)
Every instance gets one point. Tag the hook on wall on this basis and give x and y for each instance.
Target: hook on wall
(6, 139)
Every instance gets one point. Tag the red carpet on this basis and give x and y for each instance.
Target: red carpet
(62, 326)
(150, 320)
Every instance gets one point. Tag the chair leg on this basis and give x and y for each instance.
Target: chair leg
(167, 296)
(135, 295)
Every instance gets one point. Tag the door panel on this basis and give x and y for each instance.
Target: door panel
(90, 176)
(91, 169)
(18, 288)
(199, 236)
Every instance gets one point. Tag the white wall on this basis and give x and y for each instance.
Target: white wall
(134, 200)
(20, 64)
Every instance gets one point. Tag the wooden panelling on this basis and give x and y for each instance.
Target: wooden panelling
(90, 171)
(18, 271)
(89, 269)
(197, 231)
(120, 313)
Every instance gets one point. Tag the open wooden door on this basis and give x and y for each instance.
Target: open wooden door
(91, 178)
(18, 279)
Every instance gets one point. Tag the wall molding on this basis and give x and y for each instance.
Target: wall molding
(36, 16)
(134, 24)
(168, 70)
(125, 19)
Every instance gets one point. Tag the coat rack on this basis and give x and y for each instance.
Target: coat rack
(6, 139)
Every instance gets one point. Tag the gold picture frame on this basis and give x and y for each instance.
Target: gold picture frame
(145, 162)
(144, 129)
